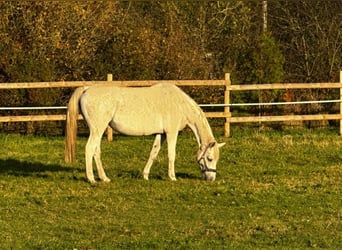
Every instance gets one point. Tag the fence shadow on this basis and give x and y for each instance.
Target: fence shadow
(24, 168)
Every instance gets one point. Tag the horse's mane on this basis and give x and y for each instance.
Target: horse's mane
(193, 112)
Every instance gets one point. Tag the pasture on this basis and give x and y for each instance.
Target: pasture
(274, 189)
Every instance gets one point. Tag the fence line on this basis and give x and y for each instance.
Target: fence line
(273, 86)
(286, 117)
(72, 84)
(34, 108)
(283, 118)
(226, 114)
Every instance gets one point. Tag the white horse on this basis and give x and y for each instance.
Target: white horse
(160, 109)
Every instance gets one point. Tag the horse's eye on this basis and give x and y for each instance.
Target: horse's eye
(209, 159)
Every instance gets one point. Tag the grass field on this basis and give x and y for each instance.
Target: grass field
(275, 189)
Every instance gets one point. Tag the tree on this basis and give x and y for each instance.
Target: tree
(85, 40)
(310, 34)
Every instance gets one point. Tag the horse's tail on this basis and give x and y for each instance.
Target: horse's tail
(71, 125)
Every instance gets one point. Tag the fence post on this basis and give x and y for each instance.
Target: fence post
(109, 129)
(341, 102)
(227, 108)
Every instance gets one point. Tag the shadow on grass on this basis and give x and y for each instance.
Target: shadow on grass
(188, 176)
(13, 167)
(136, 174)
(23, 168)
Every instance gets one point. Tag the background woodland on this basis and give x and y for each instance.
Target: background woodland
(151, 40)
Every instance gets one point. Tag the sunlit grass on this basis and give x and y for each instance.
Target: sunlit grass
(274, 190)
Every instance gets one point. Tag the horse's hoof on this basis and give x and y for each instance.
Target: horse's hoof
(106, 180)
(92, 182)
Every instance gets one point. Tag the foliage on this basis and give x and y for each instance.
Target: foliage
(265, 64)
(60, 40)
(310, 37)
(86, 40)
(272, 197)
(261, 63)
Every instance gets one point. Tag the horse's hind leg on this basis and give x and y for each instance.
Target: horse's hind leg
(93, 149)
(153, 156)
(92, 144)
(100, 170)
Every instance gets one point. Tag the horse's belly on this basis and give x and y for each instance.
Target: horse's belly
(134, 124)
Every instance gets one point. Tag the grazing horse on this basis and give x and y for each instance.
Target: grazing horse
(160, 109)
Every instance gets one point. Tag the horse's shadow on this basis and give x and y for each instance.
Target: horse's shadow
(14, 167)
(190, 176)
(24, 168)
(136, 174)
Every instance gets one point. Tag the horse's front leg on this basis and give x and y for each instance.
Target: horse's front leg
(153, 155)
(171, 148)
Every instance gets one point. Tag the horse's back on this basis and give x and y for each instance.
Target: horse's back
(135, 111)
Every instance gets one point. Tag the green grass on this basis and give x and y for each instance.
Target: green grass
(274, 190)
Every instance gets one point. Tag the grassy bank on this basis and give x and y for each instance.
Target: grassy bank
(274, 190)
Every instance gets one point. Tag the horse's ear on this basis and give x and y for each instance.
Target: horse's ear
(220, 145)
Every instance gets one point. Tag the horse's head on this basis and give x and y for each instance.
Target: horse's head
(207, 157)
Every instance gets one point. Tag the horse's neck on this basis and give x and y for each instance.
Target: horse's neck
(197, 121)
(200, 126)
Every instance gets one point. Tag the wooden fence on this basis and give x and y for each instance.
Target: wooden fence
(283, 118)
(72, 84)
(226, 114)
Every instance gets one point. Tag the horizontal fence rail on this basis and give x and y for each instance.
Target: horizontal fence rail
(70, 84)
(109, 82)
(273, 86)
(226, 114)
(283, 118)
(268, 103)
(201, 105)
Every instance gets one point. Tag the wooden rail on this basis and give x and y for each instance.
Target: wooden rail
(274, 86)
(73, 84)
(284, 117)
(226, 114)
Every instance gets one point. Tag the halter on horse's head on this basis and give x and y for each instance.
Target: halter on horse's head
(207, 158)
